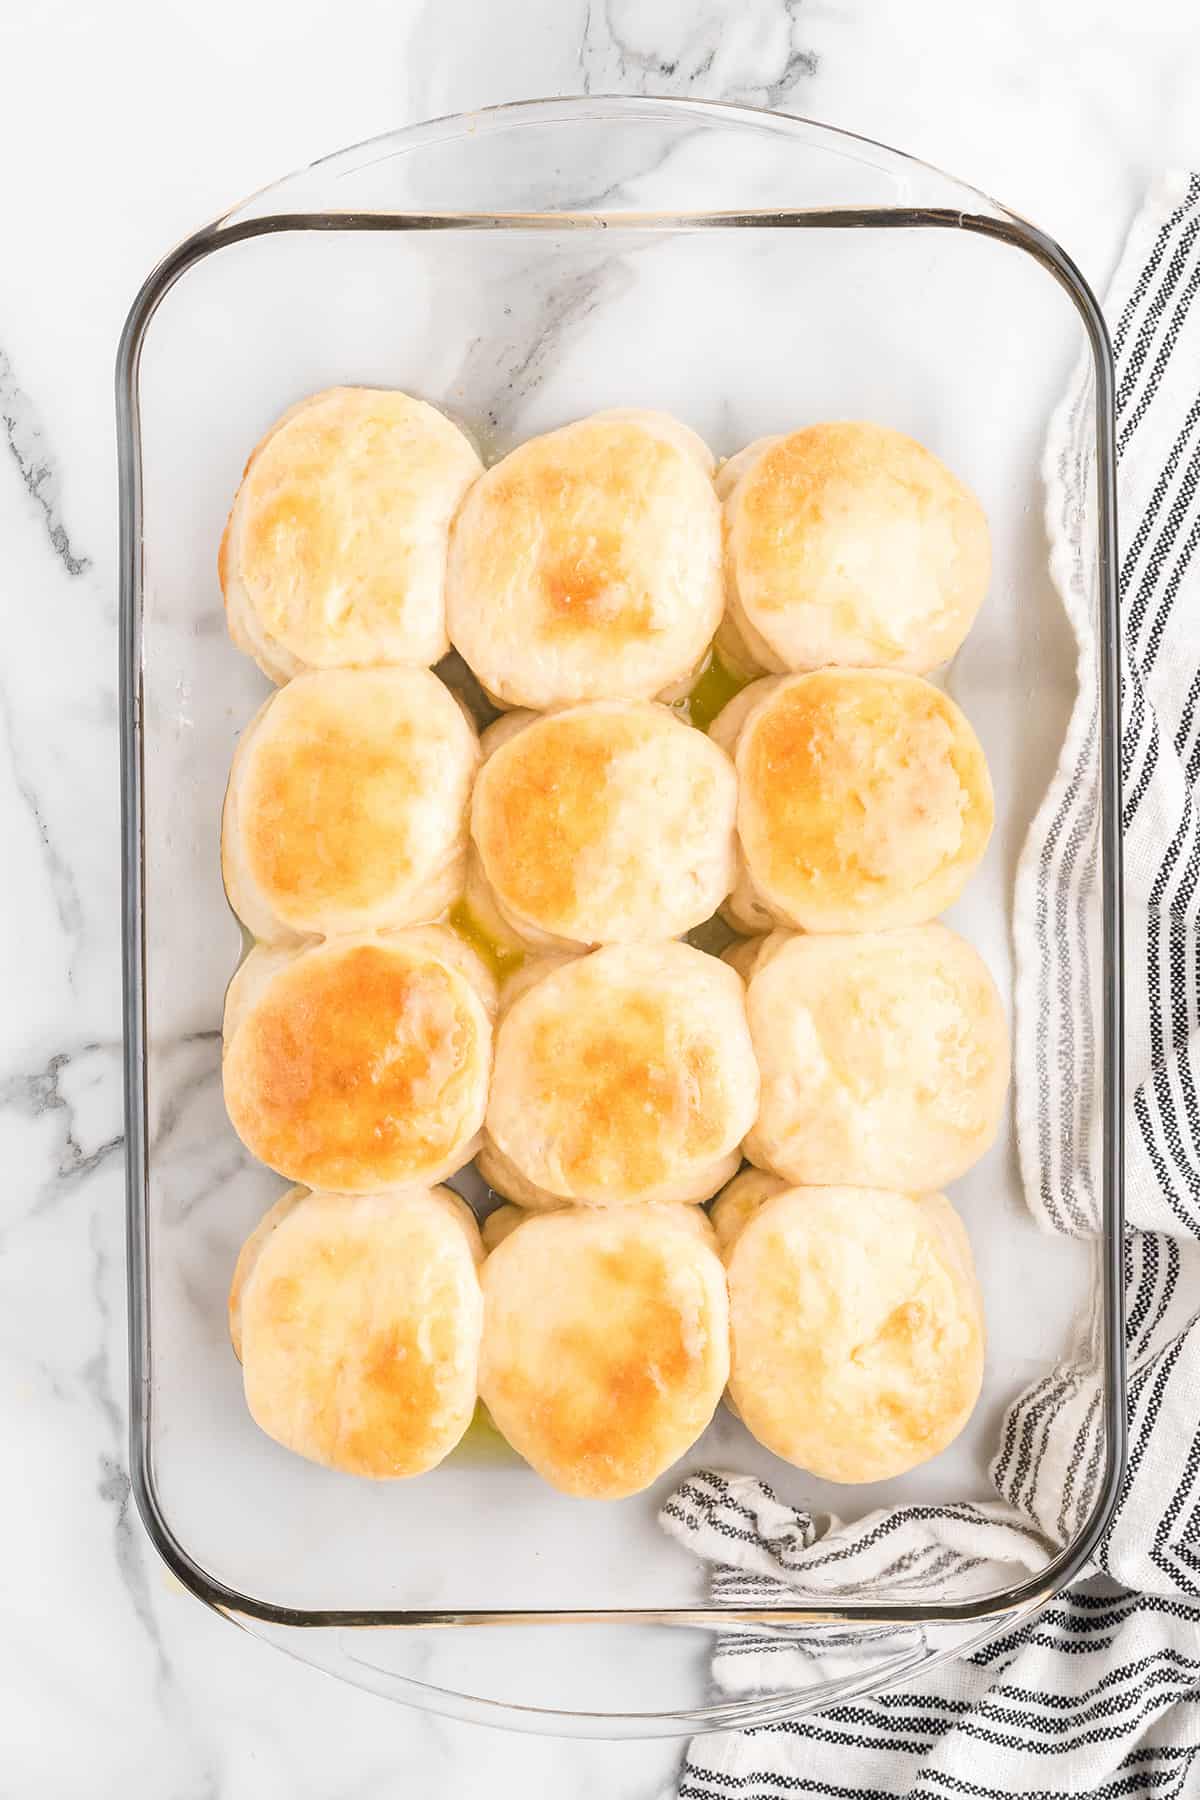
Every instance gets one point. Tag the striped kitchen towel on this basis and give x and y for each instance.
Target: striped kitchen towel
(1099, 1695)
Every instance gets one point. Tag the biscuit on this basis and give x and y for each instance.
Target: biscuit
(248, 1256)
(357, 1320)
(610, 822)
(856, 1329)
(335, 550)
(884, 1058)
(742, 909)
(360, 1063)
(499, 1224)
(605, 1344)
(523, 1197)
(864, 800)
(625, 1076)
(347, 805)
(742, 955)
(505, 1179)
(737, 1204)
(587, 564)
(848, 544)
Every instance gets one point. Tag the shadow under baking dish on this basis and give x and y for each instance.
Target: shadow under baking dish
(520, 267)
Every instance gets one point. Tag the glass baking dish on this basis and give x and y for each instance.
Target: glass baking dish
(520, 267)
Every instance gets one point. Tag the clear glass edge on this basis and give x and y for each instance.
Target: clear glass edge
(994, 1611)
(601, 108)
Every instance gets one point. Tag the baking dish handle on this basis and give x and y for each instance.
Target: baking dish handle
(398, 1663)
(494, 162)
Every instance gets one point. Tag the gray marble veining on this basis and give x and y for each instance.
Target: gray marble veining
(112, 1680)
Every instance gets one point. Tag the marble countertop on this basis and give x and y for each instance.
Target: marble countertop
(123, 127)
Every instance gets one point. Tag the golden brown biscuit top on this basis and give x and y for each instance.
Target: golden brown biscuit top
(634, 1342)
(573, 522)
(612, 1076)
(395, 1358)
(811, 475)
(586, 564)
(860, 1302)
(597, 1333)
(338, 507)
(248, 1257)
(895, 1362)
(864, 1035)
(359, 1319)
(339, 806)
(553, 802)
(356, 1064)
(636, 1085)
(859, 782)
(824, 512)
(568, 809)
